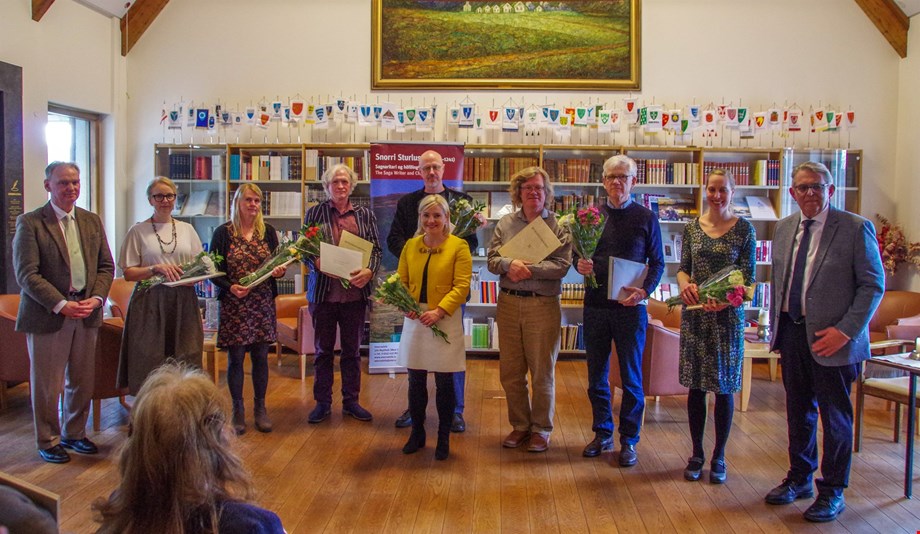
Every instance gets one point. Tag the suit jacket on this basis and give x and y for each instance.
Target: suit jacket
(845, 285)
(42, 267)
(449, 272)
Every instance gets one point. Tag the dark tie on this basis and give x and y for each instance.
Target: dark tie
(798, 273)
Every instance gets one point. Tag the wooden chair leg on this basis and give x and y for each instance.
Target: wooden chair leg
(97, 407)
(303, 367)
(278, 350)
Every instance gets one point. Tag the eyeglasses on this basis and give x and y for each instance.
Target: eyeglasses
(622, 178)
(803, 189)
(160, 197)
(429, 168)
(532, 188)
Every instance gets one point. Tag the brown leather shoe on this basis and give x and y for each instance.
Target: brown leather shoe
(538, 443)
(515, 439)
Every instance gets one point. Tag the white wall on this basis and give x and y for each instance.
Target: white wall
(72, 58)
(907, 184)
(709, 50)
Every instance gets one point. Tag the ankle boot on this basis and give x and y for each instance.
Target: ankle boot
(416, 439)
(239, 417)
(442, 451)
(263, 423)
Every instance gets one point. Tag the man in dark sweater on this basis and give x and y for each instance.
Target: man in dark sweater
(404, 226)
(632, 233)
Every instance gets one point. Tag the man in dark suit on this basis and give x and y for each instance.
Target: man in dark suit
(64, 267)
(404, 226)
(827, 282)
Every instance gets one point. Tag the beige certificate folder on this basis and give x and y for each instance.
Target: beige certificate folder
(532, 244)
(353, 242)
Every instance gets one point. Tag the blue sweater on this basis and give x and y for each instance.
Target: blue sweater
(631, 233)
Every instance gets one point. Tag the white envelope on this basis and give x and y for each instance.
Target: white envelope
(624, 273)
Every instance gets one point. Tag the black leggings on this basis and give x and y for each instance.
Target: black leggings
(258, 353)
(696, 411)
(445, 400)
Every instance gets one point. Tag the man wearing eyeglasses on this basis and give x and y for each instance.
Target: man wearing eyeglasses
(827, 281)
(631, 232)
(404, 226)
(64, 267)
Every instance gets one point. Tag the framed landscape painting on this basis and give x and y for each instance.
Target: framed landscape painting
(471, 44)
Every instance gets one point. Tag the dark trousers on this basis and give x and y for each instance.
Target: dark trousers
(811, 389)
(459, 388)
(348, 317)
(258, 353)
(444, 398)
(625, 326)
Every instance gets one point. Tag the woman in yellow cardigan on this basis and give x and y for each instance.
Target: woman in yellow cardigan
(436, 267)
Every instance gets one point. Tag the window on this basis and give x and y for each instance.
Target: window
(72, 135)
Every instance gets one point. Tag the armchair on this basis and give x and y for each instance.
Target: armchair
(660, 375)
(14, 359)
(108, 347)
(295, 328)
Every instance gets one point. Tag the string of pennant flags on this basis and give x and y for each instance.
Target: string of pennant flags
(681, 122)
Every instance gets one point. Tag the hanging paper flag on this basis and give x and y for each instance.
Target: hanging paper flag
(212, 125)
(378, 110)
(493, 118)
(401, 119)
(710, 118)
(731, 117)
(794, 123)
(388, 115)
(250, 115)
(423, 120)
(693, 115)
(850, 116)
(629, 105)
(409, 117)
(298, 107)
(453, 115)
(665, 120)
(191, 115)
(544, 117)
(275, 109)
(653, 122)
(571, 113)
(510, 119)
(722, 111)
(553, 116)
(818, 121)
(616, 121)
(643, 116)
(565, 124)
(225, 118)
(774, 118)
(592, 114)
(684, 127)
(351, 112)
(743, 115)
(532, 120)
(581, 116)
(322, 117)
(603, 121)
(309, 114)
(760, 120)
(674, 117)
(264, 118)
(201, 118)
(365, 116)
(467, 115)
(339, 107)
(830, 117)
(286, 115)
(237, 119)
(174, 120)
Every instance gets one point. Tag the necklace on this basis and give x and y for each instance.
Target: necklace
(174, 242)
(425, 249)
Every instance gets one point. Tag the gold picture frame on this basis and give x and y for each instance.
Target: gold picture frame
(581, 45)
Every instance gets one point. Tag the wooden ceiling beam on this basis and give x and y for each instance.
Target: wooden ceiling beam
(39, 8)
(139, 17)
(890, 20)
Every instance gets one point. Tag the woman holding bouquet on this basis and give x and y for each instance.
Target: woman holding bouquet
(332, 304)
(247, 314)
(162, 322)
(712, 338)
(436, 266)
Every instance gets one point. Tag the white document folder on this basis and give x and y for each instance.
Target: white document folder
(624, 273)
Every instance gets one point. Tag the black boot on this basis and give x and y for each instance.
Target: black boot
(418, 401)
(263, 423)
(442, 451)
(446, 402)
(416, 439)
(239, 417)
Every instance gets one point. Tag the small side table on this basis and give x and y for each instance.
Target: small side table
(211, 363)
(754, 348)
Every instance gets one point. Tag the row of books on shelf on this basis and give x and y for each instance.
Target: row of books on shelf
(761, 299)
(316, 164)
(207, 290)
(485, 169)
(763, 251)
(761, 172)
(199, 203)
(486, 292)
(574, 170)
(188, 167)
(265, 167)
(662, 172)
(572, 201)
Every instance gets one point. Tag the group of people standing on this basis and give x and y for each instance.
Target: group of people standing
(827, 282)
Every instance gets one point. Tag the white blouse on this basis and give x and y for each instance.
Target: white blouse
(142, 249)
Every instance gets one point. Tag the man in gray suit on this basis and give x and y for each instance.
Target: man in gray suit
(827, 282)
(64, 267)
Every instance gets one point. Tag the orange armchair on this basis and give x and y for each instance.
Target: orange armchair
(108, 348)
(14, 359)
(660, 374)
(295, 328)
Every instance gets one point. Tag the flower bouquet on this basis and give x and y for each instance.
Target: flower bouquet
(202, 265)
(306, 244)
(392, 291)
(463, 216)
(894, 246)
(585, 225)
(724, 287)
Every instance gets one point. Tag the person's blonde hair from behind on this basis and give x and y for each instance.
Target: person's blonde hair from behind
(177, 466)
(259, 224)
(426, 203)
(526, 174)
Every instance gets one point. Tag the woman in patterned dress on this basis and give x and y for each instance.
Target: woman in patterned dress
(247, 316)
(712, 338)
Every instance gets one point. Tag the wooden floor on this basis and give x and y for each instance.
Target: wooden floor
(347, 476)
